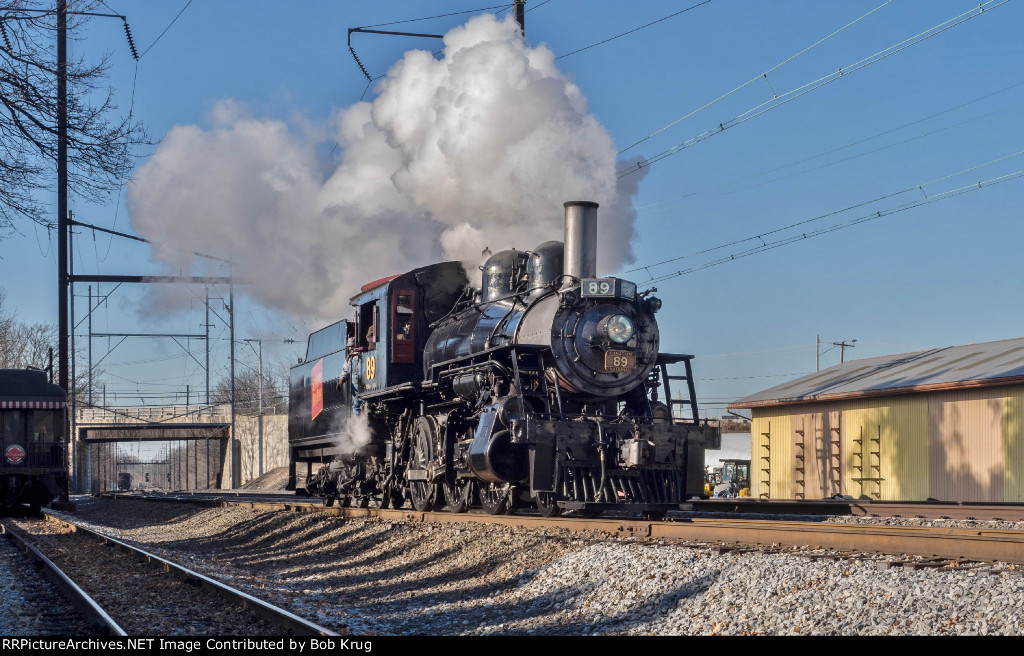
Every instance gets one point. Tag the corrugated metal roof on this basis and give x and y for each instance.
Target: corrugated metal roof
(954, 367)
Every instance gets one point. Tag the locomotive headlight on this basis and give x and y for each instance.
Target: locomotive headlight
(619, 328)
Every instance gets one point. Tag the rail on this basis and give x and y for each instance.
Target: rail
(283, 618)
(74, 594)
(974, 544)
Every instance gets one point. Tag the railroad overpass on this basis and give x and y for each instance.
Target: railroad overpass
(200, 451)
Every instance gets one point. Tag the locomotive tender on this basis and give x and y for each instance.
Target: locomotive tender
(33, 464)
(541, 386)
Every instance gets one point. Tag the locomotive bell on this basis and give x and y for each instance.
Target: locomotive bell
(580, 239)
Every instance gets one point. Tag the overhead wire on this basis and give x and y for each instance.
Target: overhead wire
(755, 79)
(882, 134)
(946, 195)
(881, 148)
(762, 235)
(503, 7)
(636, 29)
(663, 205)
(169, 25)
(809, 87)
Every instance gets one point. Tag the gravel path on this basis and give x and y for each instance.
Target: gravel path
(370, 578)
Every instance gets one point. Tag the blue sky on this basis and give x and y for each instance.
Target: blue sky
(936, 275)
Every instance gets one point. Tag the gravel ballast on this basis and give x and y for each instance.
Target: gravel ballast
(30, 605)
(369, 577)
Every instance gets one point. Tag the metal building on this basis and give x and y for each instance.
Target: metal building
(944, 424)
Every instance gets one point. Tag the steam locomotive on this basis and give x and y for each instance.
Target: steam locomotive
(33, 467)
(544, 386)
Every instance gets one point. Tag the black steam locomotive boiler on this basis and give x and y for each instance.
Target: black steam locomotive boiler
(545, 385)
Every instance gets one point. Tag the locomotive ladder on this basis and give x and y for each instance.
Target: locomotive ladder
(531, 361)
(666, 359)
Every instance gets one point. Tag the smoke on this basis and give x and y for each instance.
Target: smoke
(351, 432)
(477, 149)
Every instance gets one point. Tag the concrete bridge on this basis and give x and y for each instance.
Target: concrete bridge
(204, 450)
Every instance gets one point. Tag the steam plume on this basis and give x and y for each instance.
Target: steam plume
(477, 149)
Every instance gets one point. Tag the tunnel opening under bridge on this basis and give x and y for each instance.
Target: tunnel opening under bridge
(153, 457)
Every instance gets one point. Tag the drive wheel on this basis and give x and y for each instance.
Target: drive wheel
(382, 501)
(496, 498)
(424, 493)
(546, 505)
(458, 497)
(398, 495)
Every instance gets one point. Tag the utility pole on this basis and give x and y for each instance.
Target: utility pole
(842, 348)
(90, 342)
(259, 354)
(235, 465)
(62, 197)
(207, 326)
(520, 11)
(817, 352)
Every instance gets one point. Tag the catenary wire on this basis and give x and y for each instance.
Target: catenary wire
(663, 205)
(754, 79)
(762, 235)
(636, 29)
(852, 222)
(798, 92)
(504, 7)
(886, 197)
(165, 29)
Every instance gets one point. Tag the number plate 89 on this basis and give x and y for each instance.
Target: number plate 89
(620, 361)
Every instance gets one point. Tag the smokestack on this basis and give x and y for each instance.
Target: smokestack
(581, 239)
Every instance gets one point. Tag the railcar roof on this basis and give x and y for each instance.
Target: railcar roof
(27, 384)
(986, 364)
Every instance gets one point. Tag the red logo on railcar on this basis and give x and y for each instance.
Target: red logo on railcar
(14, 454)
(318, 388)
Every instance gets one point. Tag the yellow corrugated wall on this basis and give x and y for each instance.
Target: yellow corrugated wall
(903, 446)
(967, 448)
(1013, 445)
(777, 422)
(908, 433)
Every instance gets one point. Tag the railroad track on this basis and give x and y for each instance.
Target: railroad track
(969, 510)
(1010, 512)
(128, 591)
(956, 544)
(62, 607)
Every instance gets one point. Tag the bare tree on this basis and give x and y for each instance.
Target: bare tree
(28, 345)
(99, 141)
(22, 344)
(247, 392)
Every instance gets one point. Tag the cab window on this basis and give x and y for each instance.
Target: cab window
(403, 326)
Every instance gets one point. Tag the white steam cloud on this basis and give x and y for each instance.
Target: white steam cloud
(477, 149)
(351, 433)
